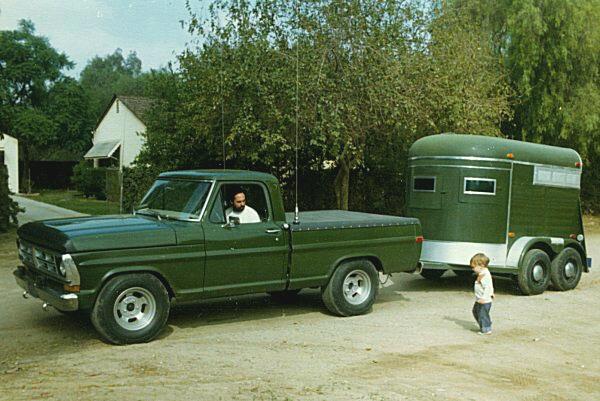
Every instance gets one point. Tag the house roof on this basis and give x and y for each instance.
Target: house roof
(138, 105)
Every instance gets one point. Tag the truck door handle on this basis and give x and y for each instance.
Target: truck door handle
(273, 231)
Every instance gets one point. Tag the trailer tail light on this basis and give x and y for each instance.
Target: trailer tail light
(419, 239)
(578, 164)
(510, 155)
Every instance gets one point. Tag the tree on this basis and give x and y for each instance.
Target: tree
(29, 66)
(112, 74)
(352, 78)
(68, 106)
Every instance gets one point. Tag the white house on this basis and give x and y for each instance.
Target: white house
(9, 155)
(117, 140)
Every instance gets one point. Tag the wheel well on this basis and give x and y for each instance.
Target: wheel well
(543, 247)
(155, 274)
(373, 259)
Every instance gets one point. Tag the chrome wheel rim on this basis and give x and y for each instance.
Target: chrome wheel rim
(134, 308)
(570, 270)
(538, 272)
(357, 287)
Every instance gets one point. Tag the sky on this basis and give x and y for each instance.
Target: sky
(83, 29)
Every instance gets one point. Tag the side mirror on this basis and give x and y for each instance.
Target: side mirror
(233, 222)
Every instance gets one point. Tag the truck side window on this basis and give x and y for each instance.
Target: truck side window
(424, 184)
(255, 199)
(217, 213)
(480, 186)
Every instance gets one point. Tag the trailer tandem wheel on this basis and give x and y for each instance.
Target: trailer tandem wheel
(566, 270)
(534, 273)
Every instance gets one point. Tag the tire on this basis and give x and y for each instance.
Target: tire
(352, 288)
(463, 273)
(142, 297)
(432, 274)
(534, 273)
(566, 270)
(283, 296)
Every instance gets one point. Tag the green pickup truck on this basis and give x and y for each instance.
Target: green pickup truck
(208, 234)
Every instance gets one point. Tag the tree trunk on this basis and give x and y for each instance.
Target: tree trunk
(342, 185)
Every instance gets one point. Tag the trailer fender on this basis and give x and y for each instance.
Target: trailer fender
(551, 245)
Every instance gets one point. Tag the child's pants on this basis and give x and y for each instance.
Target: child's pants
(481, 312)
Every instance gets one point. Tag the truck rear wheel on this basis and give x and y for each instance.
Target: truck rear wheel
(566, 270)
(534, 273)
(131, 308)
(352, 288)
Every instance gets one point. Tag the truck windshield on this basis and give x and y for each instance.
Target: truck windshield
(175, 199)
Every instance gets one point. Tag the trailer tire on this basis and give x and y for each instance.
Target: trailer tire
(352, 288)
(534, 273)
(131, 308)
(432, 274)
(566, 270)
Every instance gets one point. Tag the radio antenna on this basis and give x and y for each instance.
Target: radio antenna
(296, 211)
(221, 95)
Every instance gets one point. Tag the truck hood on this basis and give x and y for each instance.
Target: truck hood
(84, 234)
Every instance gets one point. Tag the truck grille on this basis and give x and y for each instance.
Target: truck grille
(37, 257)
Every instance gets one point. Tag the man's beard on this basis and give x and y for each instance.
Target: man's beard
(240, 209)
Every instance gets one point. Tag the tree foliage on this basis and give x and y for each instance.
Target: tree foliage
(112, 74)
(350, 77)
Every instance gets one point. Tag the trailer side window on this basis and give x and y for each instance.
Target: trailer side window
(424, 184)
(480, 186)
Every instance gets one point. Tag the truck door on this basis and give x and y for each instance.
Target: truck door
(246, 257)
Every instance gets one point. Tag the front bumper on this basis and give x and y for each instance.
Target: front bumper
(64, 301)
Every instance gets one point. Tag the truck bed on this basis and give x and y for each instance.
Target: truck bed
(336, 219)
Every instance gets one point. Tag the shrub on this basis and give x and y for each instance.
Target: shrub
(90, 181)
(136, 182)
(8, 207)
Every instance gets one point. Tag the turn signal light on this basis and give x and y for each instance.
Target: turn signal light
(511, 234)
(71, 288)
(510, 155)
(572, 236)
(419, 239)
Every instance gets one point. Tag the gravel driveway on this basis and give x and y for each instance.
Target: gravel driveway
(419, 343)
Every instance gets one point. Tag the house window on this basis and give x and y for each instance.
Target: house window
(424, 184)
(479, 186)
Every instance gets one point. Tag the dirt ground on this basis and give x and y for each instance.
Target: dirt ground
(419, 343)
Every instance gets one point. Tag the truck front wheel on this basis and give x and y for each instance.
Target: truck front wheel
(131, 308)
(534, 273)
(566, 270)
(352, 288)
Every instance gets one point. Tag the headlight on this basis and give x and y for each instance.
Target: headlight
(67, 265)
(62, 269)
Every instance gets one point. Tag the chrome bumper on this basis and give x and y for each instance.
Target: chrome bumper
(61, 301)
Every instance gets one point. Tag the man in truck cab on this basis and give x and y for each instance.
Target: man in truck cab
(240, 210)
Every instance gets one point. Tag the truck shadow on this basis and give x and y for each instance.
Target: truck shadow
(255, 307)
(450, 282)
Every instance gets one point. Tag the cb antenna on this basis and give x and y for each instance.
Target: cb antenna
(296, 212)
(221, 94)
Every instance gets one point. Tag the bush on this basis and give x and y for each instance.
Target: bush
(8, 207)
(90, 181)
(136, 182)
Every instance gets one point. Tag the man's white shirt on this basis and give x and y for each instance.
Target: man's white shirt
(248, 215)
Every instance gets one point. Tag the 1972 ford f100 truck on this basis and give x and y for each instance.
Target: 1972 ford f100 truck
(179, 247)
